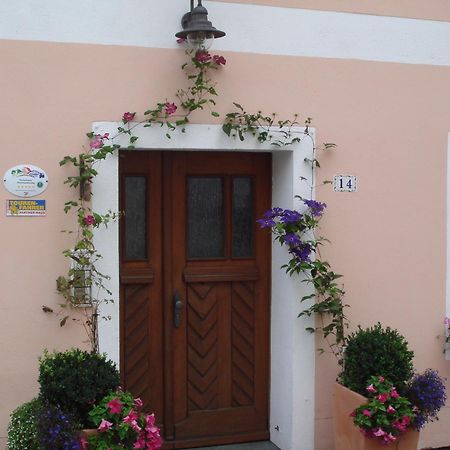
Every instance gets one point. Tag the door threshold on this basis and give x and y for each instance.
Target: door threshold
(266, 445)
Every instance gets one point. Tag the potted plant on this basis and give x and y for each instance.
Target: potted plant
(379, 402)
(75, 380)
(121, 424)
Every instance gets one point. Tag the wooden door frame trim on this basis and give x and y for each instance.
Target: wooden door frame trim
(292, 348)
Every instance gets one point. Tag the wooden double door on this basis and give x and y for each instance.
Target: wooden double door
(195, 284)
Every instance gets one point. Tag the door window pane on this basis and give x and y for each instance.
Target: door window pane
(135, 218)
(242, 217)
(205, 218)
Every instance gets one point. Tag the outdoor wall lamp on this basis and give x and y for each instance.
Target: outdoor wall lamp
(197, 29)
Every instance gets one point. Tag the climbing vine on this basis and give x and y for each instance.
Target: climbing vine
(83, 287)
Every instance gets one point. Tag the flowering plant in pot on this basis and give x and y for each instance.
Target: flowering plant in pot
(378, 400)
(386, 415)
(121, 423)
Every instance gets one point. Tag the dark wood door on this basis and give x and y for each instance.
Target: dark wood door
(195, 280)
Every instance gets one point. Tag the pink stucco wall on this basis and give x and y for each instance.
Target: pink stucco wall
(389, 120)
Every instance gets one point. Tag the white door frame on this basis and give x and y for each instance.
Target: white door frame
(292, 348)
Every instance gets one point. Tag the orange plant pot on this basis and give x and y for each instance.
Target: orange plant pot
(348, 437)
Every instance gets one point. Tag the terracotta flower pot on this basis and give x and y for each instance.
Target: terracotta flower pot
(347, 436)
(87, 433)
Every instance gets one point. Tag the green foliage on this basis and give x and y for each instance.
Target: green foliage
(263, 127)
(376, 351)
(75, 380)
(23, 427)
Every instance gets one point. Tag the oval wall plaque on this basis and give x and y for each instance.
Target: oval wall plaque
(25, 180)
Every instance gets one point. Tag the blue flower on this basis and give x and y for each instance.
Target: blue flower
(315, 207)
(266, 223)
(274, 212)
(427, 393)
(290, 216)
(302, 251)
(292, 239)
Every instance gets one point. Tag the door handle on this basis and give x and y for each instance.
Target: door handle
(177, 309)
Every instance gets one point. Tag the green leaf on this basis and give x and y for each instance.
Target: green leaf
(227, 127)
(215, 114)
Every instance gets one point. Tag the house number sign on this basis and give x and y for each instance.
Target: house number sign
(345, 183)
(25, 180)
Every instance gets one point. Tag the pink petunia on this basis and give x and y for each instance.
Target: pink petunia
(378, 432)
(394, 393)
(381, 379)
(115, 406)
(138, 403)
(388, 438)
(128, 117)
(383, 397)
(104, 426)
(132, 415)
(371, 389)
(390, 410)
(367, 413)
(170, 108)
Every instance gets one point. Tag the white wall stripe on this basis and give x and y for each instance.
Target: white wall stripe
(250, 28)
(447, 309)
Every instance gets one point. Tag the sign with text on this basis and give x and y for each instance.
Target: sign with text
(345, 183)
(28, 208)
(25, 180)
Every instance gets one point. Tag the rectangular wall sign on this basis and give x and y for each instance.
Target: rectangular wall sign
(345, 183)
(29, 208)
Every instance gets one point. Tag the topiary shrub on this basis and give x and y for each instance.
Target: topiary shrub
(23, 431)
(75, 380)
(376, 351)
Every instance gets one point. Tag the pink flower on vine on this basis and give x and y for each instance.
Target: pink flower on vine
(97, 141)
(138, 403)
(381, 379)
(89, 220)
(128, 117)
(367, 413)
(115, 406)
(170, 108)
(104, 426)
(202, 56)
(219, 60)
(390, 409)
(371, 389)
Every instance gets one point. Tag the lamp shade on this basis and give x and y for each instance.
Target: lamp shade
(196, 25)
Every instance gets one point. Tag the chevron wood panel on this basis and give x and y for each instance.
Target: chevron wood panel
(242, 344)
(202, 347)
(137, 341)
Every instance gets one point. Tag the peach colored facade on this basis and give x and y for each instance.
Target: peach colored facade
(382, 97)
